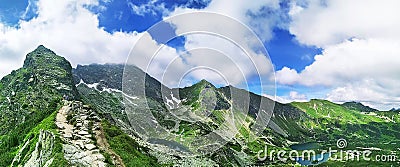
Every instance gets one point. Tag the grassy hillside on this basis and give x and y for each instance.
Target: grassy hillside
(362, 130)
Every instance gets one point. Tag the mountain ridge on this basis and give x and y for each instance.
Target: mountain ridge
(30, 98)
(296, 121)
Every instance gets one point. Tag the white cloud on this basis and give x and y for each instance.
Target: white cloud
(296, 96)
(149, 7)
(366, 94)
(254, 14)
(351, 93)
(226, 65)
(237, 65)
(360, 45)
(155, 59)
(287, 76)
(350, 61)
(277, 98)
(333, 21)
(357, 70)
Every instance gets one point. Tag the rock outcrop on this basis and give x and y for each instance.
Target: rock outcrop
(41, 156)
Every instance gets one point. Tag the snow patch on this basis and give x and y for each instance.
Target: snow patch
(131, 97)
(80, 82)
(94, 85)
(173, 103)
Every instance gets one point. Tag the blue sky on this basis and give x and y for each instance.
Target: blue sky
(11, 12)
(293, 32)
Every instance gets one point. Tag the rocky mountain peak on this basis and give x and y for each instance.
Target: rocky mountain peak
(203, 84)
(42, 48)
(42, 56)
(47, 68)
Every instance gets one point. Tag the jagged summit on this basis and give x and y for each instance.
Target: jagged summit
(42, 56)
(47, 68)
(203, 83)
(42, 49)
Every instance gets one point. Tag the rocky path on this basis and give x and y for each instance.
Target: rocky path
(78, 133)
(62, 123)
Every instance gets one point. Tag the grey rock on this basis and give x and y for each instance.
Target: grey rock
(44, 147)
(59, 125)
(83, 133)
(69, 136)
(69, 149)
(90, 146)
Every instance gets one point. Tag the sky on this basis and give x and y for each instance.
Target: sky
(327, 49)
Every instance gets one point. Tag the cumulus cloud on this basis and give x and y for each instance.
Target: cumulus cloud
(323, 23)
(238, 66)
(360, 45)
(71, 30)
(296, 96)
(287, 76)
(68, 28)
(356, 70)
(261, 16)
(365, 93)
(350, 61)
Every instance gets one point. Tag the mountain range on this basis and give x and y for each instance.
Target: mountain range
(54, 115)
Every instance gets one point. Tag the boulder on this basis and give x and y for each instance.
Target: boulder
(90, 146)
(69, 149)
(67, 135)
(100, 157)
(59, 125)
(83, 132)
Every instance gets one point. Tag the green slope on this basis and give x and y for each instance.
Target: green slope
(29, 95)
(318, 121)
(332, 121)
